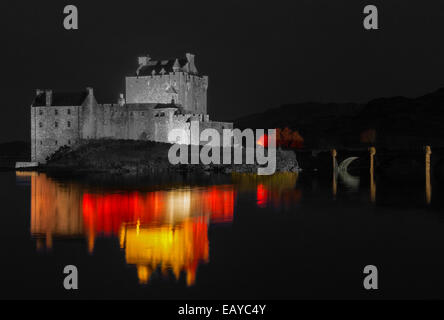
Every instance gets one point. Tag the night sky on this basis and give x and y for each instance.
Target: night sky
(258, 55)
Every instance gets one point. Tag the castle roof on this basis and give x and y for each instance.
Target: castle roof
(61, 99)
(140, 106)
(146, 106)
(166, 105)
(161, 66)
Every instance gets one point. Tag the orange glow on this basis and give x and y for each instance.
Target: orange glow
(55, 210)
(166, 230)
(263, 141)
(428, 152)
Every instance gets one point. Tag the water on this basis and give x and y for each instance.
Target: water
(289, 236)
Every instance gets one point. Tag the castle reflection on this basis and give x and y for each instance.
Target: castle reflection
(165, 230)
(161, 232)
(176, 248)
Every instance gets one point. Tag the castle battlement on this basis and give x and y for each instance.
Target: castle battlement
(181, 117)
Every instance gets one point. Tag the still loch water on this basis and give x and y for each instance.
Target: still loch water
(288, 236)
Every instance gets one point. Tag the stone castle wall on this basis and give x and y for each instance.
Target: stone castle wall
(190, 91)
(109, 121)
(51, 128)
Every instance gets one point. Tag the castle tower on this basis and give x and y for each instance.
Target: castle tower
(161, 81)
(60, 119)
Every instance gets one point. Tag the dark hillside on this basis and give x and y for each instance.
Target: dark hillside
(396, 122)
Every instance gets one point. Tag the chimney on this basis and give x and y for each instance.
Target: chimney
(121, 100)
(191, 65)
(143, 61)
(48, 98)
(176, 66)
(90, 96)
(90, 91)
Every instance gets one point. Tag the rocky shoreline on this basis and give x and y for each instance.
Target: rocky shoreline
(138, 158)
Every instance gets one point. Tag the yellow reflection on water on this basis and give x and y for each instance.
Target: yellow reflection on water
(176, 248)
(159, 230)
(428, 187)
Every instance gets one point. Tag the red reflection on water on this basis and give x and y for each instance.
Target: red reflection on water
(106, 213)
(261, 195)
(278, 198)
(166, 229)
(220, 203)
(201, 250)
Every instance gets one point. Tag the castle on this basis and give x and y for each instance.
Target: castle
(161, 96)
